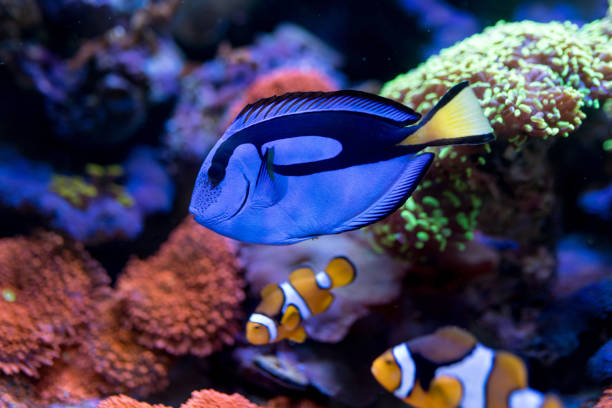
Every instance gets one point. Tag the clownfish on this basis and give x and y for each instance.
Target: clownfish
(450, 369)
(284, 306)
(300, 165)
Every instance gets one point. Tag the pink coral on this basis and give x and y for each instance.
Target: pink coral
(186, 298)
(49, 286)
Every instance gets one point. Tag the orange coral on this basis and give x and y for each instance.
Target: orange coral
(125, 365)
(282, 81)
(215, 399)
(606, 400)
(122, 401)
(49, 287)
(69, 380)
(24, 345)
(185, 299)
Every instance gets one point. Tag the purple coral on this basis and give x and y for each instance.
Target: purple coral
(105, 101)
(148, 188)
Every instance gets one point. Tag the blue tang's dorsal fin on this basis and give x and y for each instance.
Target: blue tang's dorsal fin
(338, 101)
(394, 197)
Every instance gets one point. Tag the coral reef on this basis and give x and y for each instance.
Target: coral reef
(93, 209)
(533, 81)
(199, 399)
(185, 299)
(207, 92)
(50, 287)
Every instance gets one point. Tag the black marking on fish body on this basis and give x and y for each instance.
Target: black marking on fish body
(364, 138)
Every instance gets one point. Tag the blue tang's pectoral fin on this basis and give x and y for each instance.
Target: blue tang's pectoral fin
(394, 197)
(269, 188)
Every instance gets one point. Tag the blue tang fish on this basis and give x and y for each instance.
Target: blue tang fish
(300, 165)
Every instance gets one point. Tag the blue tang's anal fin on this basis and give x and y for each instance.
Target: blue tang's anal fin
(394, 197)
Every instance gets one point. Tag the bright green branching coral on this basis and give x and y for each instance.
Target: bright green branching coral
(533, 80)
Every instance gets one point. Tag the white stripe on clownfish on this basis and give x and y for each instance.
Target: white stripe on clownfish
(323, 280)
(267, 322)
(473, 373)
(525, 398)
(407, 370)
(292, 297)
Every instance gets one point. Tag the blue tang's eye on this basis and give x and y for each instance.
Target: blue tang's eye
(216, 173)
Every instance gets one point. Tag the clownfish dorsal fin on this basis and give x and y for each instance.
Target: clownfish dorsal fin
(456, 335)
(291, 318)
(341, 271)
(310, 102)
(298, 335)
(268, 289)
(301, 273)
(445, 345)
(269, 189)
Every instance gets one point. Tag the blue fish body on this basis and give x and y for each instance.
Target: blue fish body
(302, 165)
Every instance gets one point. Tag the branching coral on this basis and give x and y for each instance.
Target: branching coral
(50, 286)
(532, 80)
(185, 299)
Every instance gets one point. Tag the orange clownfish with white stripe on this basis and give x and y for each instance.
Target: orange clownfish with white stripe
(284, 306)
(450, 369)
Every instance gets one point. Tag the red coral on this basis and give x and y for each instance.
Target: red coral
(215, 399)
(186, 298)
(122, 401)
(282, 81)
(49, 288)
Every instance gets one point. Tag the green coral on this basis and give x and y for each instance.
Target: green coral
(533, 81)
(101, 180)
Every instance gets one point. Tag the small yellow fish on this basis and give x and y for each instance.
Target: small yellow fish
(285, 306)
(450, 369)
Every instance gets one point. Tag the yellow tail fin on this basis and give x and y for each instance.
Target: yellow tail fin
(456, 119)
(341, 271)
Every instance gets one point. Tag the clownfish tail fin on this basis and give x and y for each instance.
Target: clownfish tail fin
(456, 119)
(341, 271)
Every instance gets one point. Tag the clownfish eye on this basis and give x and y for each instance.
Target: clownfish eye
(388, 361)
